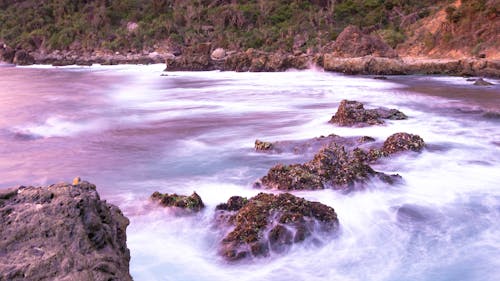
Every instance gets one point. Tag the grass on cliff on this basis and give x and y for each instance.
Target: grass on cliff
(262, 24)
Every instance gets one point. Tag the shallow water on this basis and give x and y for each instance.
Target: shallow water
(132, 132)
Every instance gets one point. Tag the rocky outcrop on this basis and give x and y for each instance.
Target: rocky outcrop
(332, 167)
(61, 232)
(406, 66)
(192, 202)
(272, 223)
(353, 113)
(202, 58)
(353, 42)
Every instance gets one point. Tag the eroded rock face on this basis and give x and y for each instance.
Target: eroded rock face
(192, 202)
(353, 42)
(61, 232)
(353, 113)
(332, 167)
(272, 223)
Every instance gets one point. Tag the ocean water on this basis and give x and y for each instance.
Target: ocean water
(132, 131)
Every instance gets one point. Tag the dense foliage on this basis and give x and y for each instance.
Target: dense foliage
(134, 25)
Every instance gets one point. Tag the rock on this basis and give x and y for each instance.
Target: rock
(263, 145)
(233, 204)
(402, 142)
(380, 77)
(353, 113)
(332, 167)
(23, 58)
(272, 223)
(218, 54)
(482, 82)
(353, 42)
(192, 202)
(309, 147)
(61, 232)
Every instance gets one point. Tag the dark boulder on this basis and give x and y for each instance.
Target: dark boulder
(61, 232)
(192, 202)
(272, 223)
(353, 113)
(332, 167)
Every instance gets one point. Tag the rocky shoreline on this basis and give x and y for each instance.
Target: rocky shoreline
(200, 58)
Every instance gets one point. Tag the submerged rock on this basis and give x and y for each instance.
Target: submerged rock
(272, 223)
(482, 82)
(332, 167)
(353, 113)
(192, 202)
(61, 232)
(263, 145)
(311, 146)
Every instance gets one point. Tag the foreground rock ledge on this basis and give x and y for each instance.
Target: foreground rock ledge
(272, 223)
(61, 232)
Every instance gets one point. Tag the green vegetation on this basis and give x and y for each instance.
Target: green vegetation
(135, 25)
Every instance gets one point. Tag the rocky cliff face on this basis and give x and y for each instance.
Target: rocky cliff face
(61, 232)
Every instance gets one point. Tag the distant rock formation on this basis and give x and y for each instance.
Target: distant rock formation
(61, 232)
(353, 42)
(271, 223)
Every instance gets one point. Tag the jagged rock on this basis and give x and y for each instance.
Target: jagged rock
(353, 113)
(272, 223)
(482, 82)
(332, 167)
(353, 42)
(192, 202)
(61, 232)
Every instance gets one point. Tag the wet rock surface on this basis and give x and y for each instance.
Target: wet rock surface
(310, 146)
(353, 113)
(192, 202)
(61, 232)
(270, 223)
(332, 167)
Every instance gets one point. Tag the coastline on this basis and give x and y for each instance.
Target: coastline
(200, 58)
